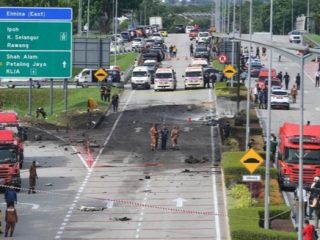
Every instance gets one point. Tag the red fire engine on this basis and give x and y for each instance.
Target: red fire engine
(9, 159)
(288, 154)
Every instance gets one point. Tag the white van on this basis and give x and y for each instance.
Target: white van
(295, 37)
(199, 62)
(165, 78)
(193, 77)
(141, 77)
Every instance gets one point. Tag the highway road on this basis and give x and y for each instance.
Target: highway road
(130, 192)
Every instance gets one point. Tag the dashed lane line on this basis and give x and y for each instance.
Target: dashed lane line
(90, 171)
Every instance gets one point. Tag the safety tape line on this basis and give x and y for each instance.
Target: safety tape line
(128, 203)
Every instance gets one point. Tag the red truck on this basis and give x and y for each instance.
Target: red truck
(10, 152)
(288, 154)
(9, 121)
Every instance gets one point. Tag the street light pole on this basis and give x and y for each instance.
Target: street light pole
(116, 33)
(308, 16)
(267, 174)
(233, 34)
(240, 19)
(88, 18)
(300, 186)
(292, 15)
(80, 18)
(249, 79)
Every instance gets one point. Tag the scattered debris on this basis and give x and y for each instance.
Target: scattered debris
(48, 184)
(147, 177)
(94, 145)
(80, 141)
(75, 153)
(91, 209)
(42, 146)
(147, 191)
(141, 179)
(37, 137)
(66, 149)
(186, 170)
(123, 219)
(193, 160)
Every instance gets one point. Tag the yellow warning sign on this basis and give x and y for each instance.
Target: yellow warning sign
(229, 71)
(101, 74)
(251, 160)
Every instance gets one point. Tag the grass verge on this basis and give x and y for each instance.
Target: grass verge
(314, 37)
(217, 65)
(17, 100)
(222, 90)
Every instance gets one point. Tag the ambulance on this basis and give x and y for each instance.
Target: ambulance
(193, 77)
(165, 78)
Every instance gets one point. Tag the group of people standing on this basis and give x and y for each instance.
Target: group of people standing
(105, 95)
(10, 196)
(164, 133)
(311, 206)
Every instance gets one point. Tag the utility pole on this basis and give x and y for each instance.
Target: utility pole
(308, 16)
(292, 15)
(240, 19)
(228, 16)
(249, 79)
(116, 33)
(88, 18)
(267, 174)
(80, 18)
(233, 34)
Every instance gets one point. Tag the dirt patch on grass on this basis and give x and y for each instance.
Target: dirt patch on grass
(282, 225)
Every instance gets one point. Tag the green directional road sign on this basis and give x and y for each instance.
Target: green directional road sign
(25, 64)
(35, 49)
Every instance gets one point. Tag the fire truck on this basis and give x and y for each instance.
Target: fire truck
(288, 154)
(10, 152)
(9, 121)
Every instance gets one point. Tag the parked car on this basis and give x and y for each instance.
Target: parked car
(280, 98)
(193, 34)
(188, 29)
(137, 43)
(201, 52)
(203, 37)
(180, 28)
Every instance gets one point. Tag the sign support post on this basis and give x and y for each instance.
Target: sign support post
(30, 97)
(51, 96)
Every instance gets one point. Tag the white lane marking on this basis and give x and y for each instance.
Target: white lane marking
(113, 129)
(214, 181)
(63, 140)
(34, 205)
(88, 175)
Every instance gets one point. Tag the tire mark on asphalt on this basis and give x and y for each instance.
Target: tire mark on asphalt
(90, 171)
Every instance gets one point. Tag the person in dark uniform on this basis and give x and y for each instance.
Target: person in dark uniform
(164, 137)
(32, 177)
(206, 79)
(115, 102)
(191, 50)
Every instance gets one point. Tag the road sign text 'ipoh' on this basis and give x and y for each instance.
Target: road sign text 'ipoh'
(35, 42)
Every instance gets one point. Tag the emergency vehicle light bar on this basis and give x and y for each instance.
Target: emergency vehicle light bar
(306, 139)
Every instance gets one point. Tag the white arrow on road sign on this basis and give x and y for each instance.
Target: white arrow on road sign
(179, 202)
(64, 64)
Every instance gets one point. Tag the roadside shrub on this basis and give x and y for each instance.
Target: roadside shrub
(242, 196)
(232, 143)
(245, 224)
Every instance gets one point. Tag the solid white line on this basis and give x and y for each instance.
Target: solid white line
(214, 181)
(113, 129)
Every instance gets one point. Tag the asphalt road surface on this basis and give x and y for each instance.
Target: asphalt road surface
(129, 192)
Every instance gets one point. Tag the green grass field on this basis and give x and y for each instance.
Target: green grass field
(314, 37)
(17, 99)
